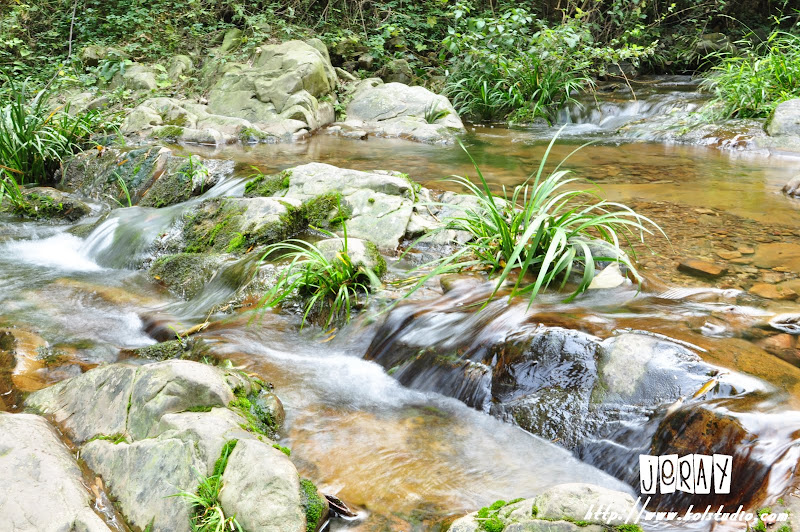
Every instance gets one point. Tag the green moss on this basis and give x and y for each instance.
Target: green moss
(628, 528)
(113, 438)
(488, 518)
(207, 227)
(164, 350)
(253, 135)
(222, 461)
(281, 448)
(267, 185)
(170, 132)
(326, 211)
(534, 511)
(200, 409)
(236, 242)
(259, 419)
(312, 503)
(185, 274)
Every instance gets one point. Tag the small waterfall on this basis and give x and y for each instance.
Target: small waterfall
(612, 110)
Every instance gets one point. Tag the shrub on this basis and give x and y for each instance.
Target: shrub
(34, 139)
(329, 287)
(541, 232)
(514, 63)
(751, 83)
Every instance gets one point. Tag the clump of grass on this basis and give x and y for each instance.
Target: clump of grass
(433, 113)
(34, 139)
(329, 287)
(207, 512)
(488, 518)
(750, 83)
(541, 232)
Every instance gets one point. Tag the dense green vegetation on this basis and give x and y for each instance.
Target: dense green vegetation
(497, 60)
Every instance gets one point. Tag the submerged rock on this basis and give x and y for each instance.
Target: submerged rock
(186, 274)
(41, 484)
(150, 430)
(397, 110)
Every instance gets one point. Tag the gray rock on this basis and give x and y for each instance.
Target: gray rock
(157, 428)
(396, 71)
(381, 203)
(361, 252)
(231, 41)
(41, 485)
(262, 489)
(144, 477)
(96, 403)
(576, 501)
(136, 77)
(179, 65)
(785, 119)
(397, 110)
(173, 386)
(792, 188)
(47, 203)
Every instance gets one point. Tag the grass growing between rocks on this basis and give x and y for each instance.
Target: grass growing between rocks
(207, 512)
(329, 286)
(540, 234)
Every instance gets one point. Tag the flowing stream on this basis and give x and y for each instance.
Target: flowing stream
(409, 457)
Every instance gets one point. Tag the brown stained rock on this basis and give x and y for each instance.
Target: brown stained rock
(778, 254)
(701, 268)
(745, 250)
(772, 291)
(729, 255)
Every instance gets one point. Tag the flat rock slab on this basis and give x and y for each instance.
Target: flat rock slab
(778, 254)
(40, 482)
(701, 268)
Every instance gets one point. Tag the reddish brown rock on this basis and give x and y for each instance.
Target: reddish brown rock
(778, 254)
(729, 255)
(701, 268)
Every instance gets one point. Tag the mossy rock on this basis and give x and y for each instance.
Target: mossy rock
(237, 225)
(186, 274)
(44, 203)
(173, 349)
(314, 503)
(267, 185)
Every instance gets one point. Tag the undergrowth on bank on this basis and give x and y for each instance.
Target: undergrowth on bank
(540, 234)
(752, 80)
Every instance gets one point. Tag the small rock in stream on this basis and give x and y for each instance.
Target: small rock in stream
(701, 268)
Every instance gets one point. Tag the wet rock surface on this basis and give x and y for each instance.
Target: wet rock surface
(151, 176)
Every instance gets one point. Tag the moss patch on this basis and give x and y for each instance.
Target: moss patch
(210, 227)
(252, 408)
(113, 438)
(313, 504)
(165, 350)
(326, 211)
(267, 185)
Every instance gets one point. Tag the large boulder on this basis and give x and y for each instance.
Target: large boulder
(378, 204)
(151, 431)
(785, 119)
(41, 484)
(284, 92)
(398, 110)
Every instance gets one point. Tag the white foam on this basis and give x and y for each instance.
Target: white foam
(61, 252)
